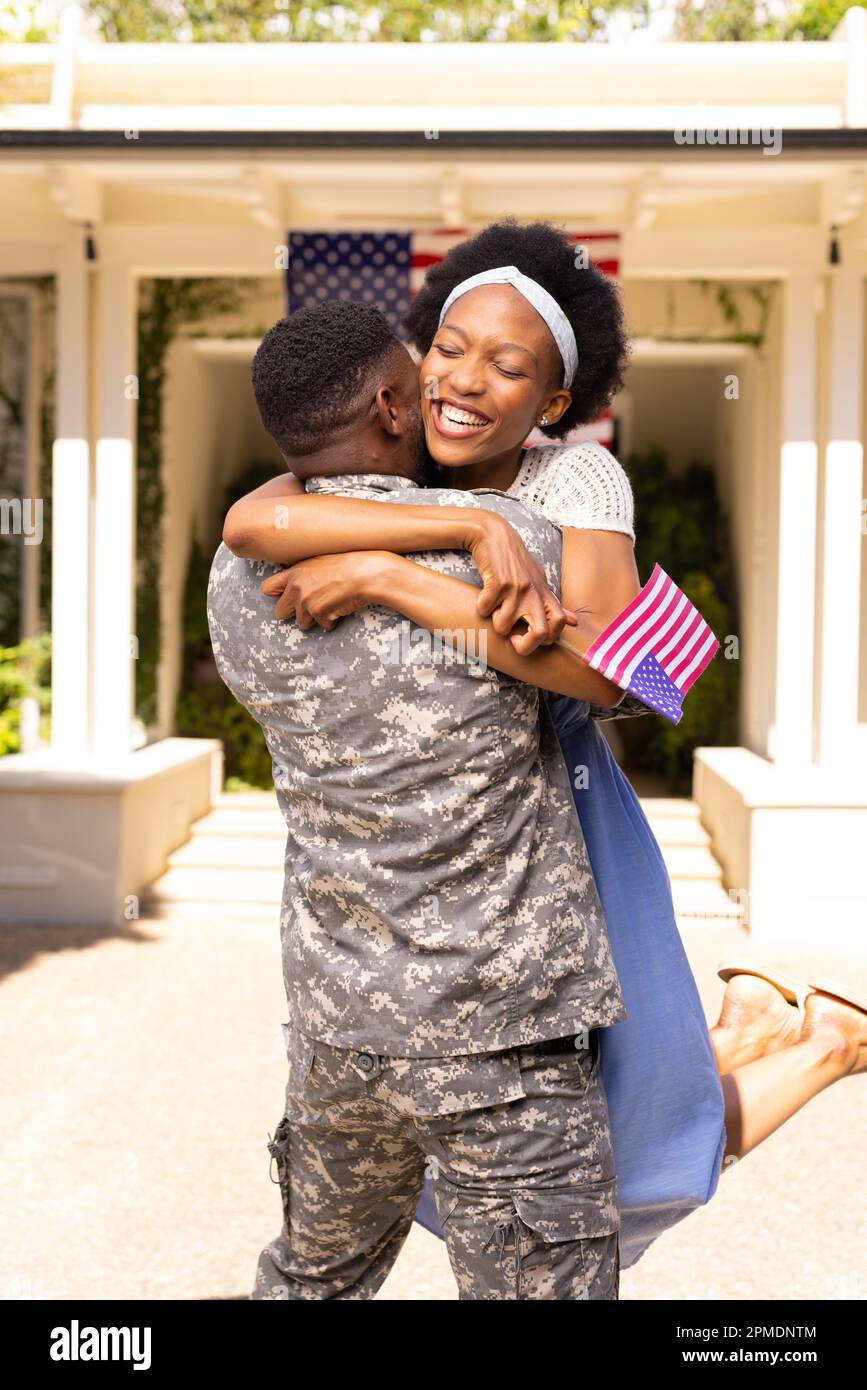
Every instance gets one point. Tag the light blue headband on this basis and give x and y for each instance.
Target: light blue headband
(535, 294)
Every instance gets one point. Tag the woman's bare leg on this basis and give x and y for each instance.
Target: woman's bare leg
(762, 1094)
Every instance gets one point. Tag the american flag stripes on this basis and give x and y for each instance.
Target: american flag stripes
(429, 248)
(657, 647)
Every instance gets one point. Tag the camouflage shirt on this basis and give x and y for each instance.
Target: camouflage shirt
(438, 893)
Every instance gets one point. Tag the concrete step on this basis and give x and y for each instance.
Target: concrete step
(261, 801)
(241, 852)
(232, 864)
(677, 807)
(702, 899)
(215, 884)
(687, 923)
(154, 908)
(678, 830)
(227, 824)
(225, 884)
(691, 862)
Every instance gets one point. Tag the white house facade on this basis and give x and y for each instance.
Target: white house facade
(736, 163)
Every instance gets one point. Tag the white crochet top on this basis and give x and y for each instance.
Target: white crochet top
(579, 485)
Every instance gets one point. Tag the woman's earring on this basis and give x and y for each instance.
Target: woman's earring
(544, 420)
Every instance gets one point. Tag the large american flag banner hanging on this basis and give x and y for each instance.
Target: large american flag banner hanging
(372, 267)
(388, 269)
(657, 647)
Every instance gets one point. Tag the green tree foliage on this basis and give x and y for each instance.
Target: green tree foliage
(391, 21)
(744, 21)
(23, 21)
(815, 19)
(414, 21)
(721, 21)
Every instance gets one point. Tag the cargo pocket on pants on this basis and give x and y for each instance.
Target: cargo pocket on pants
(567, 1243)
(278, 1147)
(300, 1054)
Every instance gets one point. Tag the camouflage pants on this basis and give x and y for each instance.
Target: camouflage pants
(519, 1146)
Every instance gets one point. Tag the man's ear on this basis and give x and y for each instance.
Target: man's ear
(388, 414)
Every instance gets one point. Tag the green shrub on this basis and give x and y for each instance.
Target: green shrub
(25, 671)
(206, 708)
(213, 712)
(681, 525)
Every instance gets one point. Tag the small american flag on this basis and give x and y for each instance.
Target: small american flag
(657, 647)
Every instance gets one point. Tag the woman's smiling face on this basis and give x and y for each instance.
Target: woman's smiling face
(492, 370)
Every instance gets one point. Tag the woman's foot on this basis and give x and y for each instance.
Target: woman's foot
(754, 1020)
(842, 1025)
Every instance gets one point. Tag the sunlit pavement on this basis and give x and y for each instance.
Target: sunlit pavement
(145, 1070)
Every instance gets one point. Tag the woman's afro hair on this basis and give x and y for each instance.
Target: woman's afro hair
(589, 299)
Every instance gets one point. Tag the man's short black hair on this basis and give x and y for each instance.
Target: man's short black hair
(589, 299)
(313, 367)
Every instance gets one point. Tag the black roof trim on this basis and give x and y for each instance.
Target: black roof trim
(815, 142)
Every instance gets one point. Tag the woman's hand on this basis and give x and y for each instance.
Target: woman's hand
(515, 588)
(328, 587)
(516, 595)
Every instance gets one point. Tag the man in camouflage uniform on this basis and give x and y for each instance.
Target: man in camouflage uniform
(445, 958)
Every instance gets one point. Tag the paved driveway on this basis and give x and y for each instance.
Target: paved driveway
(144, 1070)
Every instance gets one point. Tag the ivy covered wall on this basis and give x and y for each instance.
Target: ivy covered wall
(26, 334)
(167, 308)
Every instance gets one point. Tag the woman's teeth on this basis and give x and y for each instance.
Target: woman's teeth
(462, 418)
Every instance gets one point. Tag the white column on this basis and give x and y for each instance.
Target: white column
(792, 733)
(842, 538)
(63, 77)
(852, 31)
(70, 510)
(113, 550)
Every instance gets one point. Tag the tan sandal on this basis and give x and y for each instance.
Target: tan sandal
(840, 991)
(793, 991)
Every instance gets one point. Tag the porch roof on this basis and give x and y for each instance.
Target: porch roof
(267, 136)
(382, 87)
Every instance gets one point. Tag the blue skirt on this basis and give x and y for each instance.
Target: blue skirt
(658, 1067)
